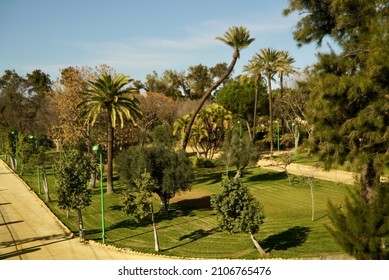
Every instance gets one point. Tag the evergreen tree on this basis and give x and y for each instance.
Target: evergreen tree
(349, 110)
(361, 228)
(237, 210)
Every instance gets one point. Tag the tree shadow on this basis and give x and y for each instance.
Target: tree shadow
(193, 236)
(293, 237)
(12, 222)
(203, 203)
(116, 207)
(268, 176)
(210, 177)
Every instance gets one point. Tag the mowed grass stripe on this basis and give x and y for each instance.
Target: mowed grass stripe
(190, 228)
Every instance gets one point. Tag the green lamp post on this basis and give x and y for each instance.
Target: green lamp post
(100, 150)
(32, 138)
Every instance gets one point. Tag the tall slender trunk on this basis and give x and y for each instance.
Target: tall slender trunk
(270, 113)
(110, 189)
(255, 105)
(256, 244)
(282, 96)
(205, 97)
(45, 185)
(80, 226)
(156, 242)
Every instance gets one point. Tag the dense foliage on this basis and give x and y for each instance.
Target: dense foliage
(349, 107)
(171, 171)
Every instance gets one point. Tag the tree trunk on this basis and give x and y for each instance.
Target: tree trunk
(255, 105)
(369, 179)
(256, 244)
(92, 181)
(205, 97)
(238, 173)
(270, 114)
(110, 189)
(80, 226)
(164, 204)
(311, 182)
(156, 242)
(45, 185)
(252, 137)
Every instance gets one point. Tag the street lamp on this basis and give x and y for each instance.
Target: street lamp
(100, 150)
(32, 138)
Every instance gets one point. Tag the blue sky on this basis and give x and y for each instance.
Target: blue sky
(138, 37)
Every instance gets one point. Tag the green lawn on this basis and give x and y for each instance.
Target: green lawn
(190, 229)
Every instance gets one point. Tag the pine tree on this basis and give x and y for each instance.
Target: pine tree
(349, 110)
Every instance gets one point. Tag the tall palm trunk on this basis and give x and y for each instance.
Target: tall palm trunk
(205, 97)
(257, 77)
(270, 113)
(110, 189)
(282, 96)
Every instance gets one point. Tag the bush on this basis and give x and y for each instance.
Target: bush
(204, 163)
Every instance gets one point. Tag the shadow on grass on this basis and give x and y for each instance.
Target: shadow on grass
(193, 236)
(209, 176)
(268, 176)
(203, 202)
(293, 237)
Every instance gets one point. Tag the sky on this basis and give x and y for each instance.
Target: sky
(139, 37)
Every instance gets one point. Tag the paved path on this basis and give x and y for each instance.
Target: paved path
(29, 231)
(333, 175)
(311, 171)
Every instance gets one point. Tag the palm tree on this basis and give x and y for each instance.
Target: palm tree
(253, 70)
(109, 97)
(238, 38)
(284, 67)
(268, 58)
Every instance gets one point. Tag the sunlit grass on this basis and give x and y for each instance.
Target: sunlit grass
(190, 229)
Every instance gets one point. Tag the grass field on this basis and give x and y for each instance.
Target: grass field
(190, 229)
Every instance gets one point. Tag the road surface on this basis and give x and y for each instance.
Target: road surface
(29, 231)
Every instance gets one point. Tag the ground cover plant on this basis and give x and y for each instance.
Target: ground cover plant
(190, 228)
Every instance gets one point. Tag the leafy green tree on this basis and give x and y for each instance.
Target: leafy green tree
(72, 171)
(171, 83)
(240, 98)
(163, 136)
(349, 105)
(208, 130)
(361, 228)
(139, 204)
(238, 38)
(171, 171)
(27, 150)
(108, 96)
(238, 150)
(237, 210)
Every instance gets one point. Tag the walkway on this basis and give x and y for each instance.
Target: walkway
(29, 231)
(333, 175)
(311, 171)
